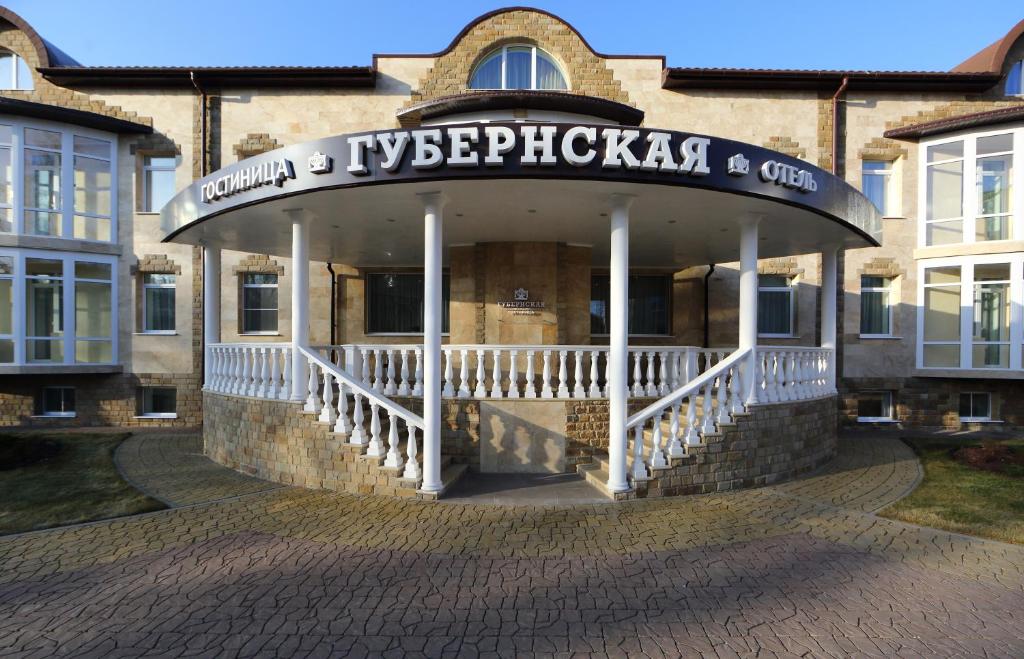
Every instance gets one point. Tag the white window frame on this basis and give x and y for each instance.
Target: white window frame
(878, 419)
(791, 289)
(1018, 69)
(966, 264)
(891, 177)
(19, 315)
(974, 419)
(888, 291)
(242, 307)
(143, 414)
(15, 73)
(43, 412)
(969, 194)
(533, 66)
(145, 287)
(13, 335)
(146, 169)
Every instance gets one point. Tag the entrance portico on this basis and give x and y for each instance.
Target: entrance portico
(649, 199)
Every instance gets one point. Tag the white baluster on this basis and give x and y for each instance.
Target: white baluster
(247, 387)
(771, 375)
(799, 373)
(691, 366)
(735, 390)
(464, 374)
(722, 415)
(378, 377)
(393, 460)
(412, 467)
(286, 376)
(785, 383)
(692, 437)
(311, 391)
(513, 374)
(390, 388)
(652, 388)
(663, 374)
(595, 388)
(607, 373)
(674, 449)
(675, 361)
(577, 390)
(545, 391)
(481, 386)
(449, 389)
(357, 436)
(365, 360)
(657, 453)
(638, 386)
(707, 409)
(375, 448)
(403, 388)
(273, 391)
(639, 468)
(211, 354)
(266, 386)
(327, 412)
(531, 387)
(341, 418)
(563, 383)
(496, 376)
(417, 385)
(239, 385)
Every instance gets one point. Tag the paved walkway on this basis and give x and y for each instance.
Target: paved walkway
(794, 570)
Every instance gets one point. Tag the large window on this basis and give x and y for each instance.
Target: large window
(66, 182)
(259, 303)
(518, 67)
(876, 178)
(394, 303)
(649, 305)
(969, 188)
(776, 305)
(57, 308)
(14, 72)
(967, 319)
(875, 306)
(158, 303)
(157, 182)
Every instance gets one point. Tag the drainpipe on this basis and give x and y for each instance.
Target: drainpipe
(707, 303)
(330, 269)
(835, 123)
(202, 125)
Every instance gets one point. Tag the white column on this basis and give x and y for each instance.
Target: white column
(300, 305)
(618, 351)
(828, 310)
(433, 204)
(211, 308)
(748, 301)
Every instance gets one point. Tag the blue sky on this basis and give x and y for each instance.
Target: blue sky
(863, 34)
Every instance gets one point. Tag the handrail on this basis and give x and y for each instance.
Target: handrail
(687, 389)
(357, 387)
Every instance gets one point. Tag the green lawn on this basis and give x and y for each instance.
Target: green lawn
(52, 479)
(963, 499)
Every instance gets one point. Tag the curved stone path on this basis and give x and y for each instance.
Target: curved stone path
(798, 569)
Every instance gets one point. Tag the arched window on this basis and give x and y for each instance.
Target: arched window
(14, 72)
(1015, 79)
(518, 67)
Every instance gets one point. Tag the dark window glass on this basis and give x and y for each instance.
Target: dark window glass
(57, 401)
(648, 304)
(975, 406)
(259, 303)
(394, 303)
(159, 401)
(874, 405)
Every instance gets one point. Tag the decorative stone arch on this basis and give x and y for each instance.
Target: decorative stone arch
(882, 148)
(155, 264)
(154, 143)
(258, 263)
(585, 69)
(786, 145)
(785, 266)
(882, 266)
(254, 144)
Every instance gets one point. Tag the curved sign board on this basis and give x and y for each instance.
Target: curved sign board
(524, 151)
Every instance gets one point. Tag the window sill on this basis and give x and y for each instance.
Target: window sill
(880, 337)
(978, 420)
(156, 333)
(401, 334)
(155, 416)
(778, 336)
(871, 419)
(260, 334)
(636, 336)
(61, 415)
(156, 213)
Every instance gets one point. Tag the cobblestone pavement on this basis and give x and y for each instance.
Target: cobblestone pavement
(796, 569)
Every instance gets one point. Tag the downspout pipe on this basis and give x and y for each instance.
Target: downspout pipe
(202, 124)
(707, 304)
(835, 123)
(334, 286)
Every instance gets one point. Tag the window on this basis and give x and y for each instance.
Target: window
(518, 67)
(14, 72)
(157, 182)
(648, 303)
(259, 303)
(56, 401)
(44, 306)
(6, 179)
(158, 402)
(93, 313)
(394, 303)
(942, 317)
(43, 175)
(876, 181)
(92, 183)
(993, 172)
(874, 406)
(1015, 79)
(975, 406)
(944, 222)
(158, 303)
(6, 309)
(875, 306)
(991, 335)
(775, 305)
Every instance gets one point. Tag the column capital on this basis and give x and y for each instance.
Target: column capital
(749, 219)
(621, 200)
(433, 198)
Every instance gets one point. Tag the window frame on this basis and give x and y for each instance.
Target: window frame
(974, 419)
(890, 177)
(791, 289)
(366, 299)
(1016, 69)
(888, 292)
(43, 412)
(243, 331)
(146, 169)
(145, 298)
(17, 59)
(143, 414)
(669, 303)
(888, 395)
(969, 214)
(967, 287)
(503, 51)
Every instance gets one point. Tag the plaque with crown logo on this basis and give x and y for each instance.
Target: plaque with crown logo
(320, 163)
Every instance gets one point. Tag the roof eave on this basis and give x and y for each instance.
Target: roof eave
(82, 77)
(674, 78)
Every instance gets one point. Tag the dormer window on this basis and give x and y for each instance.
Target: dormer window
(518, 67)
(1015, 79)
(14, 72)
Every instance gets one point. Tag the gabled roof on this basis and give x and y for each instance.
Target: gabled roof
(993, 56)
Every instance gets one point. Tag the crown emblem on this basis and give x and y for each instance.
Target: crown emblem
(738, 165)
(521, 295)
(320, 163)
